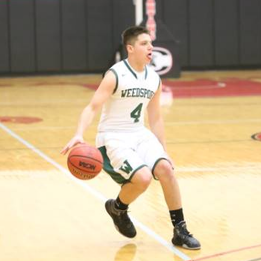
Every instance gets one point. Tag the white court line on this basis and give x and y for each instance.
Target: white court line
(95, 193)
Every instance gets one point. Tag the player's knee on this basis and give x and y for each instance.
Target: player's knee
(142, 179)
(164, 170)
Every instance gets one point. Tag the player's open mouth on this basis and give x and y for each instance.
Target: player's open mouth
(149, 55)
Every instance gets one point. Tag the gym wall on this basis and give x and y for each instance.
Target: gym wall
(215, 34)
(61, 36)
(69, 36)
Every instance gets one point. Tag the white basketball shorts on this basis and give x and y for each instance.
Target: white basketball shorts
(126, 153)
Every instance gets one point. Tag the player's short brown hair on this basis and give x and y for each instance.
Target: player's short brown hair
(130, 35)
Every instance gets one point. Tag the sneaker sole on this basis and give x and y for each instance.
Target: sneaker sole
(186, 247)
(190, 248)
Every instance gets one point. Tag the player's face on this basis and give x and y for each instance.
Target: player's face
(142, 48)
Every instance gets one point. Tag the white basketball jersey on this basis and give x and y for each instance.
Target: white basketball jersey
(124, 111)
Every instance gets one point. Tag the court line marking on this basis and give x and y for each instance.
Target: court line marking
(95, 193)
(227, 252)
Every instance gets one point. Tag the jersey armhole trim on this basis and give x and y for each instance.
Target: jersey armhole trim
(159, 83)
(117, 80)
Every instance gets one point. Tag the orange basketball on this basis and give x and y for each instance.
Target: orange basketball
(85, 162)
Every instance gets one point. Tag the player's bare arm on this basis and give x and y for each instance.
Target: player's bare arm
(101, 95)
(155, 119)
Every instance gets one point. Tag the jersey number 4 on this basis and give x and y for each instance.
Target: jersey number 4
(135, 114)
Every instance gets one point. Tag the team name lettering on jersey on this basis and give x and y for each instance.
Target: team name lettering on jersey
(137, 92)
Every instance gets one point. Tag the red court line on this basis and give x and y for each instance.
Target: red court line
(226, 252)
(211, 88)
(227, 87)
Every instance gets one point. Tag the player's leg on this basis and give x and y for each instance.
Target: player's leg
(137, 185)
(158, 161)
(123, 164)
(163, 171)
(118, 208)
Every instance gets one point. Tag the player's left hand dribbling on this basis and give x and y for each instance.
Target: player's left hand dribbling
(73, 142)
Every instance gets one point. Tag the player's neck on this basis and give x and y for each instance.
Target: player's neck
(138, 67)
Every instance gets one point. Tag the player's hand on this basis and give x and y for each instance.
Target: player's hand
(73, 142)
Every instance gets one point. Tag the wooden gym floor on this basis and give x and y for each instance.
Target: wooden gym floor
(47, 215)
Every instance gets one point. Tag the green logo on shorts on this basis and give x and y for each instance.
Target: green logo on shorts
(126, 167)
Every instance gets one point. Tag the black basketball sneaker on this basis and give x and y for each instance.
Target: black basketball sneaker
(183, 238)
(120, 219)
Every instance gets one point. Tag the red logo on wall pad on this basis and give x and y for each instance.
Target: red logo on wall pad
(256, 136)
(20, 119)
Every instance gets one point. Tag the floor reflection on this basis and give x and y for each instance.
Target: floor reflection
(126, 252)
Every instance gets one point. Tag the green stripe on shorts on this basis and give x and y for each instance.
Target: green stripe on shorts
(107, 167)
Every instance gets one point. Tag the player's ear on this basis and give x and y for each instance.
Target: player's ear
(129, 48)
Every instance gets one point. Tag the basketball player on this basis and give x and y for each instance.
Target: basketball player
(132, 153)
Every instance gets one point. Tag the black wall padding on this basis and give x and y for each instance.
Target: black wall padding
(4, 40)
(226, 32)
(74, 32)
(48, 35)
(250, 32)
(122, 15)
(175, 15)
(201, 50)
(100, 33)
(63, 36)
(22, 36)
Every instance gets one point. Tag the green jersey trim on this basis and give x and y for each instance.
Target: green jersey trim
(130, 69)
(117, 80)
(135, 75)
(146, 72)
(159, 83)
